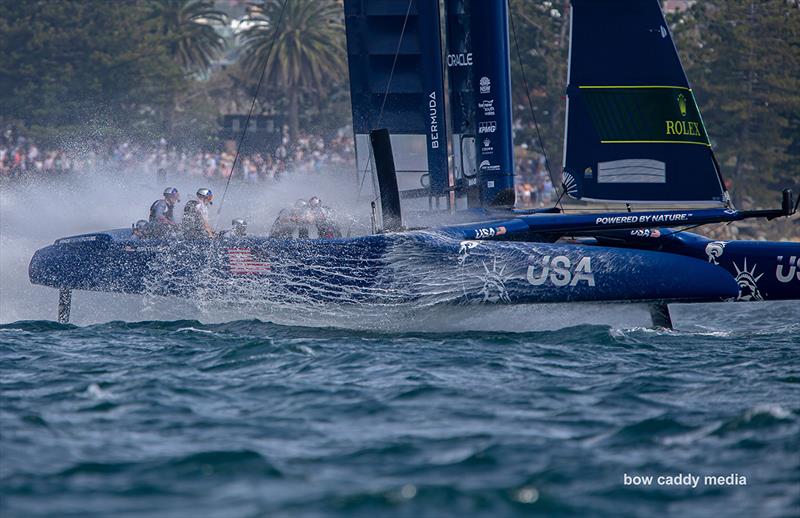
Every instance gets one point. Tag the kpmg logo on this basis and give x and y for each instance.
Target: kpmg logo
(485, 85)
(464, 59)
(487, 127)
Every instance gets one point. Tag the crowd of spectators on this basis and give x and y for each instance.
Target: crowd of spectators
(21, 158)
(533, 185)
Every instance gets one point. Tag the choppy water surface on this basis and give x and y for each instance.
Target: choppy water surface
(249, 418)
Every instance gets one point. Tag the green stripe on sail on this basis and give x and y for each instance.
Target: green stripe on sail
(645, 114)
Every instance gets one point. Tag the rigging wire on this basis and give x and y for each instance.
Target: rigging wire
(530, 102)
(253, 105)
(386, 94)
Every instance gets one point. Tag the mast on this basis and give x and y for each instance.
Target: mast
(491, 82)
(462, 102)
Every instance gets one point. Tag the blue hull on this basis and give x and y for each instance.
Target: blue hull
(426, 268)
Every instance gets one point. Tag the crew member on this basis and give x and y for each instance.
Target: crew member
(283, 228)
(195, 216)
(239, 227)
(293, 218)
(302, 218)
(162, 217)
(141, 229)
(324, 219)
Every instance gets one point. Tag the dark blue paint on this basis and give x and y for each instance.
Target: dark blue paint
(491, 83)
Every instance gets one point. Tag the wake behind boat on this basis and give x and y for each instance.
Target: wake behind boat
(634, 135)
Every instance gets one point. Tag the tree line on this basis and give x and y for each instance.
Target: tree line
(94, 69)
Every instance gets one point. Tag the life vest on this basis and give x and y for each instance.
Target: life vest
(192, 223)
(168, 211)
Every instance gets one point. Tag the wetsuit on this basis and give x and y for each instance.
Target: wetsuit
(161, 209)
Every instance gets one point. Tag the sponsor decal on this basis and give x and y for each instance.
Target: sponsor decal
(646, 232)
(682, 104)
(463, 59)
(569, 184)
(242, 262)
(663, 31)
(487, 148)
(488, 107)
(683, 128)
(714, 251)
(644, 218)
(484, 233)
(463, 251)
(588, 172)
(494, 284)
(559, 271)
(83, 239)
(748, 282)
(485, 165)
(788, 273)
(493, 279)
(485, 85)
(487, 127)
(433, 112)
(144, 248)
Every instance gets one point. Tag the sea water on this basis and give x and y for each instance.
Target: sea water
(249, 418)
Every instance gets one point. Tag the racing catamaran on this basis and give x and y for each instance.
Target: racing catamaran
(446, 231)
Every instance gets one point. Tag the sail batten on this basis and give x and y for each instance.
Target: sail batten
(628, 99)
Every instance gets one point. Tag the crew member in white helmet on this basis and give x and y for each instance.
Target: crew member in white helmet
(195, 216)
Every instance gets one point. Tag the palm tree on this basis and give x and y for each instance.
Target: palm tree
(193, 42)
(308, 54)
(188, 26)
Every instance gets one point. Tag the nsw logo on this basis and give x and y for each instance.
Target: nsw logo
(485, 85)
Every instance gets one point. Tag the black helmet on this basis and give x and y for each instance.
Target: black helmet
(314, 201)
(170, 191)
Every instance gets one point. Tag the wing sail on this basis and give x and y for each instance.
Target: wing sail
(634, 131)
